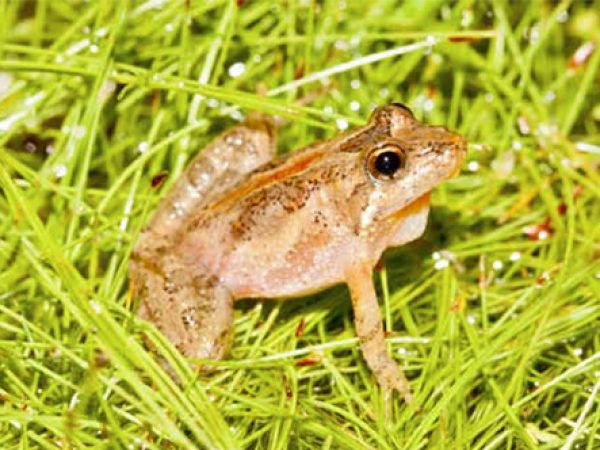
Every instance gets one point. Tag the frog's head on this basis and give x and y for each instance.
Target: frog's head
(402, 161)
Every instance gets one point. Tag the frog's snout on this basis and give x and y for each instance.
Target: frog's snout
(458, 146)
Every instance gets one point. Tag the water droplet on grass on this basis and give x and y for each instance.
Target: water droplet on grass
(60, 170)
(342, 124)
(237, 115)
(441, 264)
(143, 147)
(341, 44)
(236, 69)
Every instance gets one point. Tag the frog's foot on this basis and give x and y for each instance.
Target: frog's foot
(389, 376)
(193, 311)
(367, 321)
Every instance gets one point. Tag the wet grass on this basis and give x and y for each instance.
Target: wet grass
(493, 313)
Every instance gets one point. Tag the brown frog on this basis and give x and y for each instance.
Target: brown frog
(238, 224)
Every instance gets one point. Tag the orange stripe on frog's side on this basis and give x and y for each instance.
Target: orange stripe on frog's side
(295, 165)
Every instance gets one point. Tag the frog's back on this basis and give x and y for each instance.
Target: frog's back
(277, 232)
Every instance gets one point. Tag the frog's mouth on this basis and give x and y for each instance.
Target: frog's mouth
(411, 208)
(454, 152)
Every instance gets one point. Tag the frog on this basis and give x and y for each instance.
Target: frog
(241, 223)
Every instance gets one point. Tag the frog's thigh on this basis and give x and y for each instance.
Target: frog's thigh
(367, 320)
(217, 167)
(208, 321)
(234, 153)
(193, 311)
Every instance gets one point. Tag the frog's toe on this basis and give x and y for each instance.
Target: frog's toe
(391, 378)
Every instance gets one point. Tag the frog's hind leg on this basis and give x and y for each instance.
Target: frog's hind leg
(220, 165)
(192, 310)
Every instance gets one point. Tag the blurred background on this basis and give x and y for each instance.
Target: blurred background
(493, 314)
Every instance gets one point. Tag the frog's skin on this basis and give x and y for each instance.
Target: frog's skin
(238, 224)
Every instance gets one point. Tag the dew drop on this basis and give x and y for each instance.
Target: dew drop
(473, 166)
(342, 124)
(543, 235)
(78, 131)
(466, 18)
(515, 256)
(549, 97)
(342, 45)
(237, 115)
(95, 306)
(60, 170)
(534, 34)
(441, 264)
(563, 16)
(236, 69)
(33, 99)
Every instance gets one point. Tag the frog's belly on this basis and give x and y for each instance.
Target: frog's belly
(276, 267)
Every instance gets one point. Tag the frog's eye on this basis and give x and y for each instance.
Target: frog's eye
(383, 163)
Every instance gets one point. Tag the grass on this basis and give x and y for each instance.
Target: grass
(494, 312)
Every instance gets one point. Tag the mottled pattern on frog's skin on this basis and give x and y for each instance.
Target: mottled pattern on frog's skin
(236, 225)
(189, 305)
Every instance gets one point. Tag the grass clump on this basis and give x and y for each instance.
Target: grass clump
(495, 311)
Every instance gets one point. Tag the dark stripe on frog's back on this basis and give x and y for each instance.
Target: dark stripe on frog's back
(288, 196)
(255, 182)
(292, 164)
(287, 166)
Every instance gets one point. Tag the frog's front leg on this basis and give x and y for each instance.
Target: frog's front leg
(367, 321)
